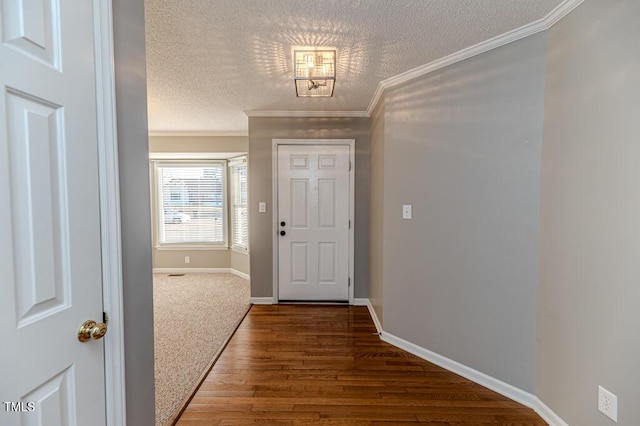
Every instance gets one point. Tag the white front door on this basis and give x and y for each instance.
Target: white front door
(313, 222)
(50, 252)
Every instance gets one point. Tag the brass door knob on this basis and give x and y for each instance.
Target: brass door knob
(91, 330)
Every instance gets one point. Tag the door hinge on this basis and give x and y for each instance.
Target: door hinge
(349, 224)
(349, 279)
(349, 165)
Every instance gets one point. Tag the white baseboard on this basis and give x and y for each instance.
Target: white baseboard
(547, 413)
(525, 398)
(191, 270)
(511, 392)
(201, 271)
(374, 317)
(240, 274)
(270, 301)
(261, 300)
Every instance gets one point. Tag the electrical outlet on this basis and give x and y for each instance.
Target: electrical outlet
(262, 207)
(187, 259)
(608, 403)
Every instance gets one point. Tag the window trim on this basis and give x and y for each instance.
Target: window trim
(156, 208)
(240, 160)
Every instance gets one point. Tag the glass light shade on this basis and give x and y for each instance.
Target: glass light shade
(314, 72)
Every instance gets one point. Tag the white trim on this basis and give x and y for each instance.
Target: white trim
(181, 247)
(374, 316)
(511, 392)
(526, 30)
(240, 274)
(274, 220)
(525, 398)
(205, 133)
(112, 287)
(191, 270)
(547, 413)
(307, 114)
(357, 301)
(201, 271)
(274, 203)
(240, 250)
(240, 159)
(560, 12)
(165, 155)
(261, 300)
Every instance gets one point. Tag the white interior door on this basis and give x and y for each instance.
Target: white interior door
(50, 258)
(313, 222)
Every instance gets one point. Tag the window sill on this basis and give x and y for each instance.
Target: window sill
(191, 248)
(241, 251)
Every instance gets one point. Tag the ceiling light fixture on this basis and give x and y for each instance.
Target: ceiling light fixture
(314, 72)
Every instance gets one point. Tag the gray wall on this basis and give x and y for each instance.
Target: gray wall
(174, 259)
(261, 132)
(218, 258)
(458, 277)
(239, 261)
(376, 211)
(131, 104)
(589, 277)
(462, 145)
(198, 144)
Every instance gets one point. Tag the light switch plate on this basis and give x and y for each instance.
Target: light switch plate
(407, 211)
(262, 207)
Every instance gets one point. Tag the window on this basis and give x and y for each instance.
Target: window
(238, 200)
(190, 202)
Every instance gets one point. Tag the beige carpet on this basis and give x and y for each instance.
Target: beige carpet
(193, 315)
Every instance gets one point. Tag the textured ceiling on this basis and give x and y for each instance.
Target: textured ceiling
(208, 61)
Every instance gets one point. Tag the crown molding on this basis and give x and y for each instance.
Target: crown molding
(526, 30)
(189, 133)
(307, 113)
(560, 12)
(532, 28)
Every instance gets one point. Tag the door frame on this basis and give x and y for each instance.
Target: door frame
(109, 188)
(275, 143)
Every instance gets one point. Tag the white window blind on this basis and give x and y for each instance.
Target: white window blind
(239, 203)
(191, 202)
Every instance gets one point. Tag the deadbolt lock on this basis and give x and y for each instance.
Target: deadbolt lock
(91, 330)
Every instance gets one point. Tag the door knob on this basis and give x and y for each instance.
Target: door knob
(91, 330)
(283, 233)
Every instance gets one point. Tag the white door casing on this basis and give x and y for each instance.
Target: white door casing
(313, 193)
(50, 253)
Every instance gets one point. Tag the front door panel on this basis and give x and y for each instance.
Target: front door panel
(313, 207)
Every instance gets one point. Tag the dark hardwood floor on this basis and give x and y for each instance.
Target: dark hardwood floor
(324, 365)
